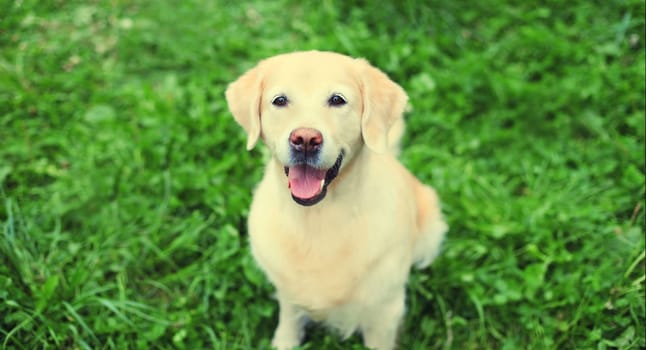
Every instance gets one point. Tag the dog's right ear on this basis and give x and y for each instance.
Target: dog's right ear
(243, 97)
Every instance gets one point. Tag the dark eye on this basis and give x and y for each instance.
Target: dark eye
(336, 100)
(280, 101)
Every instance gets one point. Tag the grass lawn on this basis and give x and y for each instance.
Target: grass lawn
(125, 184)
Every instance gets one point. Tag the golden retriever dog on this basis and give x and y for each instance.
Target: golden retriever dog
(336, 222)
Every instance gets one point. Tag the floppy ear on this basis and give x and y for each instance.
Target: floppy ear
(383, 106)
(243, 97)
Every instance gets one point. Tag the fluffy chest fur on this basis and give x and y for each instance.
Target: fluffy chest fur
(323, 257)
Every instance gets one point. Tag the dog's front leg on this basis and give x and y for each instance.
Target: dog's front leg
(291, 321)
(380, 326)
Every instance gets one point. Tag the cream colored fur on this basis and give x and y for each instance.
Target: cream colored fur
(344, 261)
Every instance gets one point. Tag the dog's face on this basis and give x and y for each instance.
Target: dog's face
(315, 111)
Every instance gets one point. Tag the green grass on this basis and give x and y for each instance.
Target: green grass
(124, 184)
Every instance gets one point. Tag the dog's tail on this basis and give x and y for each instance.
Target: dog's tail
(431, 226)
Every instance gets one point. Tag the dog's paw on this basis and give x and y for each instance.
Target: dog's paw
(280, 343)
(287, 338)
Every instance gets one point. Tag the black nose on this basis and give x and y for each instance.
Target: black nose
(306, 140)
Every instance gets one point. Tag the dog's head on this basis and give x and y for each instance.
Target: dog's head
(315, 111)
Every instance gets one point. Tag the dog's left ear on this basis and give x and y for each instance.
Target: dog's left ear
(243, 97)
(384, 103)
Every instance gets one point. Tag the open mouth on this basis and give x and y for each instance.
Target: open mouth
(309, 184)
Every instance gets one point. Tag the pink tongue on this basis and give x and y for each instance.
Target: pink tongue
(305, 181)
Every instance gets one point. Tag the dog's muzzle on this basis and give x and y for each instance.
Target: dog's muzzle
(308, 184)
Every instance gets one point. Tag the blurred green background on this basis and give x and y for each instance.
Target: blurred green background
(124, 183)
